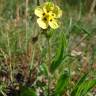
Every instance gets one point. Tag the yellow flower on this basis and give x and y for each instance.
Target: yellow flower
(48, 14)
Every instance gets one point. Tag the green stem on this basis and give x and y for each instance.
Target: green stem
(49, 62)
(44, 32)
(38, 2)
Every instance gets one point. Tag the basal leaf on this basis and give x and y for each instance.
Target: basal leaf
(62, 84)
(59, 56)
(25, 91)
(43, 69)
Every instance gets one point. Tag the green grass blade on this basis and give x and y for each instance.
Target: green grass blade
(85, 87)
(73, 93)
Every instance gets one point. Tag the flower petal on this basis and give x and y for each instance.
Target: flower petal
(48, 6)
(42, 23)
(39, 11)
(57, 11)
(53, 24)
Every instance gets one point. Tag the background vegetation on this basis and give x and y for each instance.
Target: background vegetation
(63, 63)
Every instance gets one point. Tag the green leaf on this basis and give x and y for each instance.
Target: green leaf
(25, 91)
(73, 93)
(43, 69)
(62, 84)
(57, 60)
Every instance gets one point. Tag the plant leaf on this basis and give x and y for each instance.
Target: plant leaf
(62, 84)
(59, 56)
(43, 69)
(25, 91)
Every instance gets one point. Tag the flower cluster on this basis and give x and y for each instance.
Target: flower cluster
(48, 14)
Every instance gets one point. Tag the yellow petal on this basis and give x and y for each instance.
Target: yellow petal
(53, 24)
(57, 11)
(48, 6)
(39, 12)
(42, 23)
